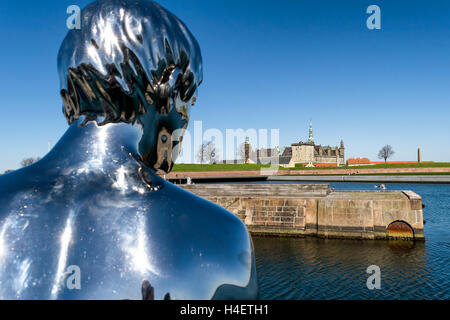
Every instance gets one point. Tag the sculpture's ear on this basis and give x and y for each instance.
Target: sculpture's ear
(164, 151)
(188, 87)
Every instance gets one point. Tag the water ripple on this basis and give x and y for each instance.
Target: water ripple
(312, 268)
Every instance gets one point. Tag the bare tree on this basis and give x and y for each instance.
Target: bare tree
(27, 161)
(207, 153)
(385, 153)
(241, 151)
(201, 153)
(211, 152)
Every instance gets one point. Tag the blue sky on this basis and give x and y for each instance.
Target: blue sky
(267, 65)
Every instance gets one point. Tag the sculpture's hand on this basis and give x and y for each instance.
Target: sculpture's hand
(148, 292)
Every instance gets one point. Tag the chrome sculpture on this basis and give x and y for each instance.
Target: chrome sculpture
(95, 202)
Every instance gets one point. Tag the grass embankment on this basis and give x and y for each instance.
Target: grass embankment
(247, 167)
(380, 166)
(377, 174)
(217, 167)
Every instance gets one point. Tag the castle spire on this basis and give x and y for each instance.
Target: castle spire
(311, 135)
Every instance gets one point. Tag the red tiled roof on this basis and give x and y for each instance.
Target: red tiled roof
(395, 162)
(358, 161)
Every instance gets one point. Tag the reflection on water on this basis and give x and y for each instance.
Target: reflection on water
(336, 269)
(311, 268)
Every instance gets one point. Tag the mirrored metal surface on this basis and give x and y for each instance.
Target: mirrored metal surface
(92, 220)
(133, 62)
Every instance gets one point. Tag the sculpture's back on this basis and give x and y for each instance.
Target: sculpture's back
(92, 220)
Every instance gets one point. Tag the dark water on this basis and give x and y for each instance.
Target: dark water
(310, 268)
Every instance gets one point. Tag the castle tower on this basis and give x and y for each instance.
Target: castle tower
(341, 148)
(342, 153)
(247, 150)
(311, 135)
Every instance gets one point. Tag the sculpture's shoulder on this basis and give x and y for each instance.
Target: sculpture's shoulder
(201, 207)
(223, 247)
(201, 218)
(118, 232)
(19, 185)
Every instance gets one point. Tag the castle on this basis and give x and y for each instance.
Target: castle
(305, 153)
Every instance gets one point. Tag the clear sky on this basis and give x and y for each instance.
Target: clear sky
(267, 64)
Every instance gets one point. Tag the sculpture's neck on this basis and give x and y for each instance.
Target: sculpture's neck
(108, 145)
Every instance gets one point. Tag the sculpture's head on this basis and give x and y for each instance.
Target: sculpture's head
(132, 62)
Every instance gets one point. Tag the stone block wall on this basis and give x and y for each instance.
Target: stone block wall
(363, 215)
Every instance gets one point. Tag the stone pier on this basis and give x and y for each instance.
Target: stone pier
(316, 210)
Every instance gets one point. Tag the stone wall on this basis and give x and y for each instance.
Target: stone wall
(305, 154)
(302, 154)
(369, 214)
(326, 159)
(259, 173)
(291, 212)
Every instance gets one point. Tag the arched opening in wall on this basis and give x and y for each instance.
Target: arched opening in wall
(400, 229)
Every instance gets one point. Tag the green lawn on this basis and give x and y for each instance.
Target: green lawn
(217, 167)
(244, 167)
(377, 174)
(380, 166)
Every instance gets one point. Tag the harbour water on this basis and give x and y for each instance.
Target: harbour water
(310, 268)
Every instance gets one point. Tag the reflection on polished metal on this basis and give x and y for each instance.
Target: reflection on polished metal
(132, 62)
(128, 78)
